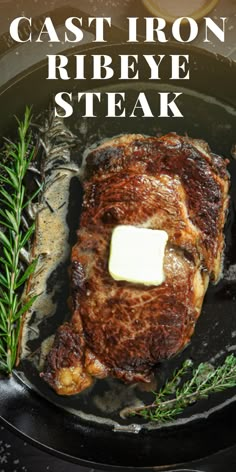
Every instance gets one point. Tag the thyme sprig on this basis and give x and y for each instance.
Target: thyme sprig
(176, 396)
(14, 239)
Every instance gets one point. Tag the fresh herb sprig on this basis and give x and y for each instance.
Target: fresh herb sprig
(175, 396)
(15, 235)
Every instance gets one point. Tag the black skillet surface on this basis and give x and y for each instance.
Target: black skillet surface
(208, 104)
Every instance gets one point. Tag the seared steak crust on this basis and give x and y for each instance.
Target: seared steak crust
(171, 183)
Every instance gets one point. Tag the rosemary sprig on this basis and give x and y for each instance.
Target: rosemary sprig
(14, 239)
(175, 396)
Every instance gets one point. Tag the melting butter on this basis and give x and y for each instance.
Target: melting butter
(137, 255)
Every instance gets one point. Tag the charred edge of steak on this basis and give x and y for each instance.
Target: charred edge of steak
(150, 152)
(66, 352)
(78, 276)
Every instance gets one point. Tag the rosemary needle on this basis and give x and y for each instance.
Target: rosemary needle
(14, 238)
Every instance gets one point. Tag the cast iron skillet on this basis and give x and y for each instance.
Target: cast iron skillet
(209, 107)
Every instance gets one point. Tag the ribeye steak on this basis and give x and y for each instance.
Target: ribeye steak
(118, 328)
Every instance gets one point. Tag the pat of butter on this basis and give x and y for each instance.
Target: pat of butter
(137, 255)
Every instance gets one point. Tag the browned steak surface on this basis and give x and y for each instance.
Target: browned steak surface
(122, 329)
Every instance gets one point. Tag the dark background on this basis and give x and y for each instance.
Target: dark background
(15, 453)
